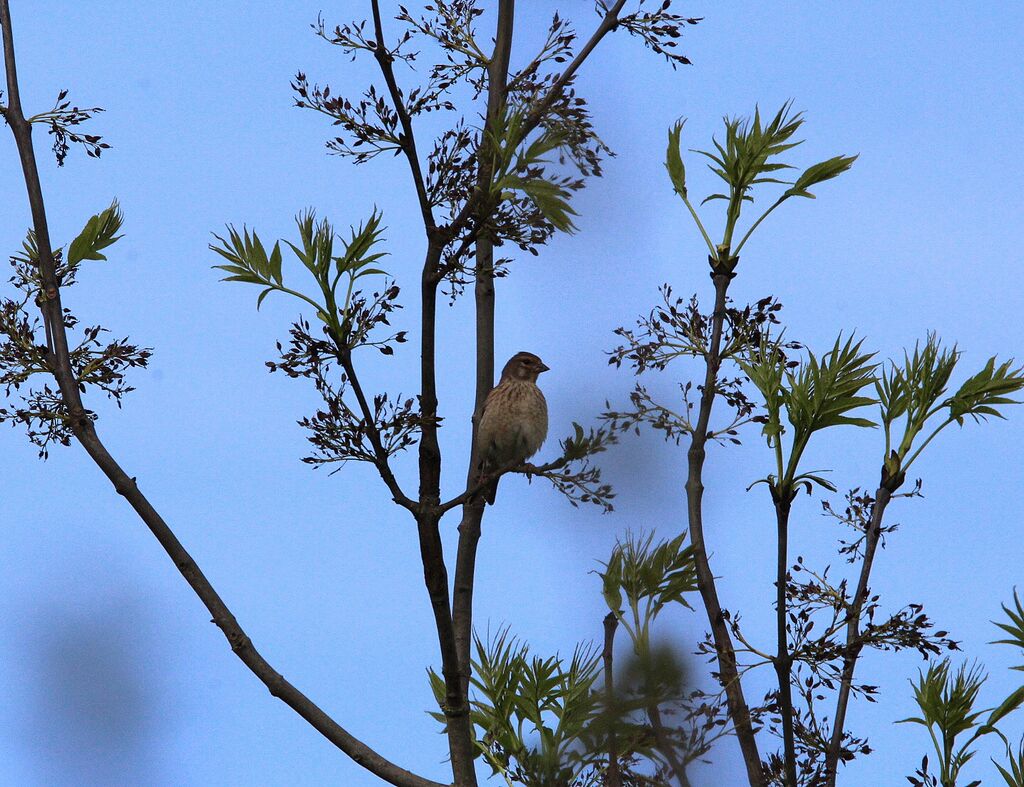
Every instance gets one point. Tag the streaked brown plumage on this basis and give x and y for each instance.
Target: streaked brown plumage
(514, 421)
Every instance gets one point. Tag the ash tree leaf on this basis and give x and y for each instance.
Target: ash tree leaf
(819, 173)
(674, 159)
(1007, 706)
(100, 231)
(980, 395)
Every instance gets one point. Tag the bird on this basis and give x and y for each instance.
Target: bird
(514, 420)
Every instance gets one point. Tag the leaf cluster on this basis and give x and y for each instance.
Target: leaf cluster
(913, 394)
(532, 712)
(348, 315)
(573, 474)
(338, 431)
(642, 577)
(1013, 774)
(816, 395)
(749, 157)
(652, 708)
(61, 120)
(947, 700)
(24, 353)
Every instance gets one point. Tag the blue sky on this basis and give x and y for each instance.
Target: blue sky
(112, 673)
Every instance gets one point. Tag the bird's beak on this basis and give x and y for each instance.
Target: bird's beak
(544, 368)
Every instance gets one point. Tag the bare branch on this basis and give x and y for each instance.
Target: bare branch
(381, 462)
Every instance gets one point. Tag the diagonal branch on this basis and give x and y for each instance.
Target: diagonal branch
(382, 464)
(84, 430)
(608, 23)
(408, 141)
(854, 645)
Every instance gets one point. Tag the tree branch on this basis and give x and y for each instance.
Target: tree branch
(608, 23)
(724, 648)
(783, 660)
(612, 776)
(382, 464)
(126, 486)
(435, 572)
(853, 644)
(408, 140)
(473, 511)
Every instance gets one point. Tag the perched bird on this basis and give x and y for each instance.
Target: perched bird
(514, 421)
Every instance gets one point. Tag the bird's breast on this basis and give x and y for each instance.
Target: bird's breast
(515, 421)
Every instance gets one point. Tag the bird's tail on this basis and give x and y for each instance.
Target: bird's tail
(490, 491)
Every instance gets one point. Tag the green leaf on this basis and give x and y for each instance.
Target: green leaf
(100, 231)
(818, 173)
(1015, 628)
(674, 159)
(1014, 775)
(263, 295)
(808, 479)
(550, 198)
(822, 393)
(980, 394)
(1007, 706)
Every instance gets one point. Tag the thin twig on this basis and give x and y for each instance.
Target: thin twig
(381, 456)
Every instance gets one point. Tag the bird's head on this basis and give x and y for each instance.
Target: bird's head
(523, 366)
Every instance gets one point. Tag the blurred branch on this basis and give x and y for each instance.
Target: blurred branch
(665, 745)
(612, 778)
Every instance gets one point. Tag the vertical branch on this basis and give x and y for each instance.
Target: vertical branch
(783, 661)
(435, 572)
(853, 645)
(473, 510)
(724, 648)
(612, 776)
